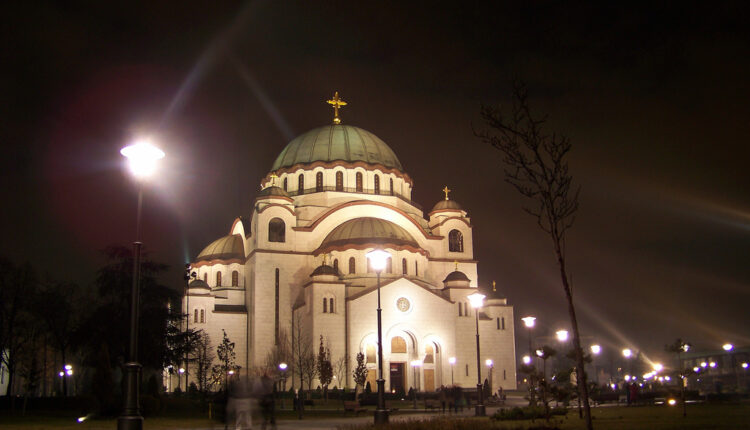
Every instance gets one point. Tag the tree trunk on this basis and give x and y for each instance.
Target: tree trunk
(583, 390)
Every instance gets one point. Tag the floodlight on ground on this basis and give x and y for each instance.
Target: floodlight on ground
(142, 157)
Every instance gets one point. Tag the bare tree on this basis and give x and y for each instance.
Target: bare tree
(280, 353)
(536, 166)
(303, 359)
(339, 369)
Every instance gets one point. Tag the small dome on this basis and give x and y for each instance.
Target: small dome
(447, 205)
(337, 142)
(324, 269)
(456, 276)
(198, 283)
(228, 247)
(367, 231)
(273, 190)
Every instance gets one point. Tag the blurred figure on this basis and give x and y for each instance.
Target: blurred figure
(267, 402)
(240, 403)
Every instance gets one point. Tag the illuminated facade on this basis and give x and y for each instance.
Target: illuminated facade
(332, 195)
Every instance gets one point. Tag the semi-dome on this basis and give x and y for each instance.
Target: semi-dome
(324, 269)
(198, 284)
(273, 191)
(337, 142)
(456, 276)
(446, 205)
(225, 248)
(362, 232)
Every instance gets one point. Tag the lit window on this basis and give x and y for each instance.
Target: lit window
(276, 230)
(455, 241)
(398, 345)
(370, 353)
(429, 356)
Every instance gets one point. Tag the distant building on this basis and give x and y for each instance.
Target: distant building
(334, 194)
(717, 371)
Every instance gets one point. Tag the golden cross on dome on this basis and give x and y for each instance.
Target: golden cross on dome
(493, 286)
(325, 259)
(446, 190)
(456, 263)
(336, 102)
(274, 177)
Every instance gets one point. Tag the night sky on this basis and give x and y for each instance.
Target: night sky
(654, 98)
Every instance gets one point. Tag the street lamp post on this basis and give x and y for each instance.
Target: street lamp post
(282, 368)
(595, 350)
(529, 322)
(476, 300)
(415, 364)
(142, 158)
(490, 366)
(452, 361)
(378, 259)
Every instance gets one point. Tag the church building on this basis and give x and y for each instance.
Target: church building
(297, 266)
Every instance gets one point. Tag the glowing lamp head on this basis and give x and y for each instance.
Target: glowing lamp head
(282, 366)
(562, 335)
(231, 372)
(488, 362)
(378, 259)
(526, 359)
(696, 368)
(596, 349)
(744, 365)
(452, 360)
(627, 377)
(61, 374)
(476, 300)
(181, 370)
(68, 367)
(69, 372)
(727, 347)
(658, 367)
(142, 157)
(539, 353)
(627, 353)
(704, 364)
(712, 364)
(529, 321)
(416, 363)
(672, 402)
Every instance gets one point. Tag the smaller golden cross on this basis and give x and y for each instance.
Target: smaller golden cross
(336, 102)
(446, 190)
(273, 179)
(456, 263)
(493, 286)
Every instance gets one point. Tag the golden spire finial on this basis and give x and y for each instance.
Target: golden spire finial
(325, 259)
(446, 190)
(493, 286)
(456, 263)
(274, 177)
(336, 102)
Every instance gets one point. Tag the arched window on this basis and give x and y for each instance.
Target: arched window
(377, 184)
(319, 181)
(359, 182)
(301, 184)
(370, 353)
(195, 316)
(352, 265)
(502, 323)
(330, 305)
(325, 305)
(460, 307)
(398, 345)
(403, 266)
(218, 279)
(455, 241)
(389, 265)
(285, 185)
(205, 277)
(203, 316)
(391, 186)
(429, 354)
(339, 181)
(416, 268)
(336, 265)
(276, 230)
(235, 278)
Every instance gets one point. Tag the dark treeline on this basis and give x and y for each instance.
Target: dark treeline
(59, 338)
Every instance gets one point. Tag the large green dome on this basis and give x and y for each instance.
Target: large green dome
(337, 142)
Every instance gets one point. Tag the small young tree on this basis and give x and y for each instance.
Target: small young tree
(226, 355)
(203, 358)
(324, 367)
(537, 167)
(339, 371)
(359, 373)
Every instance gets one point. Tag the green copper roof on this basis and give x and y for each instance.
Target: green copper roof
(225, 248)
(337, 142)
(368, 230)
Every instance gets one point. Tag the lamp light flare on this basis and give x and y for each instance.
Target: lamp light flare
(704, 364)
(526, 359)
(142, 157)
(529, 321)
(627, 353)
(596, 349)
(658, 367)
(727, 347)
(416, 363)
(562, 335)
(476, 299)
(452, 360)
(488, 362)
(378, 259)
(182, 370)
(712, 364)
(282, 366)
(744, 365)
(672, 402)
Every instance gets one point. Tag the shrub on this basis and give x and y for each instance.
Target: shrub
(526, 413)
